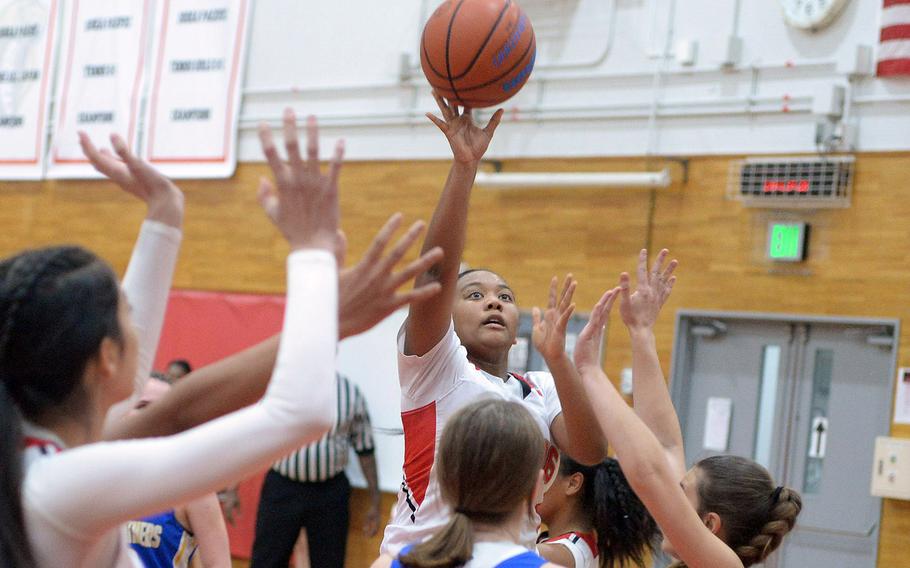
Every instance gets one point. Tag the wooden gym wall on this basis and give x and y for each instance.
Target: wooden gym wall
(859, 262)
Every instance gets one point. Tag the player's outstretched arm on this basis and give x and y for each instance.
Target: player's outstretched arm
(639, 311)
(428, 321)
(148, 277)
(643, 458)
(571, 430)
(369, 291)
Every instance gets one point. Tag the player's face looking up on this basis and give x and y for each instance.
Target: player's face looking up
(485, 314)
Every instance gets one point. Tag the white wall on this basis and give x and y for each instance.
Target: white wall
(343, 60)
(370, 361)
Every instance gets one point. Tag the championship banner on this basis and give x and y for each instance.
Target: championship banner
(99, 85)
(28, 34)
(194, 101)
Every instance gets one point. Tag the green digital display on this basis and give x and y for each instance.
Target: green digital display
(787, 241)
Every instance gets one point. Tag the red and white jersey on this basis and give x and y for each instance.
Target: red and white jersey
(583, 547)
(433, 388)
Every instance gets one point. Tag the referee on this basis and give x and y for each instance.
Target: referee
(309, 490)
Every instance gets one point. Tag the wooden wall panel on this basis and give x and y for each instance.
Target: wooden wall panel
(858, 264)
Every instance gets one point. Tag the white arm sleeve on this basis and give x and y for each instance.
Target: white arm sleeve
(86, 490)
(146, 284)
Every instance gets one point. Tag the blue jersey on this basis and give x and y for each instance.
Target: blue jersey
(161, 541)
(522, 558)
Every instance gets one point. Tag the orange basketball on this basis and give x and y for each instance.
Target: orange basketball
(478, 53)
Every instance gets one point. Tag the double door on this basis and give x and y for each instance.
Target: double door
(804, 397)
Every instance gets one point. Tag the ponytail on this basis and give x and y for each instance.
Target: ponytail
(450, 547)
(488, 463)
(14, 548)
(785, 507)
(625, 530)
(756, 515)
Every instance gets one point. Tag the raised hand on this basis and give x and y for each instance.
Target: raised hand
(549, 331)
(639, 310)
(303, 202)
(468, 141)
(368, 291)
(162, 197)
(587, 346)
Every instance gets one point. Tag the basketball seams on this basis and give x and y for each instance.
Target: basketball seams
(511, 63)
(483, 46)
(448, 44)
(521, 61)
(426, 56)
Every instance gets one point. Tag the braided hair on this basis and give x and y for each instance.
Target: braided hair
(625, 530)
(56, 306)
(756, 515)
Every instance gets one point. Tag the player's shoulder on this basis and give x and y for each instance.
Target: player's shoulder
(540, 382)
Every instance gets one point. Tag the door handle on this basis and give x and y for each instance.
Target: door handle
(836, 532)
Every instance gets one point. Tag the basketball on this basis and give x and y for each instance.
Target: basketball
(478, 53)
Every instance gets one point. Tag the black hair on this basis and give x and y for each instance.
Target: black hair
(183, 364)
(14, 548)
(57, 304)
(470, 270)
(625, 530)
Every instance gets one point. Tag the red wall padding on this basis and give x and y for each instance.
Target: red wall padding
(203, 327)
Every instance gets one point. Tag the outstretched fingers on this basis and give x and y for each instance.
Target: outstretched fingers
(563, 322)
(440, 124)
(493, 124)
(551, 296)
(448, 112)
(382, 238)
(669, 270)
(140, 170)
(102, 160)
(268, 198)
(657, 268)
(568, 291)
(417, 295)
(267, 141)
(335, 165)
(402, 246)
(312, 145)
(291, 141)
(625, 287)
(419, 266)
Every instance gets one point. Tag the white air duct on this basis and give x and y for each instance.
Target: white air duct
(527, 180)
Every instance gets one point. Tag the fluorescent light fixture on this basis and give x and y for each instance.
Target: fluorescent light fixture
(527, 180)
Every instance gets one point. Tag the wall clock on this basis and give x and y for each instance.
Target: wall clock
(811, 14)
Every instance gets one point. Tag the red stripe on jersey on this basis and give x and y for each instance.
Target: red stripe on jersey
(419, 448)
(32, 442)
(900, 31)
(895, 2)
(527, 382)
(589, 538)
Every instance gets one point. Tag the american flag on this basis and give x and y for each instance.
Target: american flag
(894, 46)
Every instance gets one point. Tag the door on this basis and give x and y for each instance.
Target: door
(806, 398)
(842, 402)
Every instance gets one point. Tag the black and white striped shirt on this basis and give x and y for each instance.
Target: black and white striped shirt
(326, 458)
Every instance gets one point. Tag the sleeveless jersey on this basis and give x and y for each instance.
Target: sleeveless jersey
(582, 546)
(435, 386)
(161, 541)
